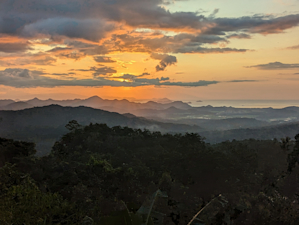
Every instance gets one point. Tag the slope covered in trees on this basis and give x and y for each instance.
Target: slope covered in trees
(45, 125)
(119, 175)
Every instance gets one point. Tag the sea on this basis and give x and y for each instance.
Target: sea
(276, 104)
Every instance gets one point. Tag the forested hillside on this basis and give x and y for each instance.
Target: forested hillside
(45, 125)
(101, 175)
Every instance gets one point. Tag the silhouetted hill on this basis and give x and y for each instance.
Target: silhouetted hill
(120, 106)
(17, 106)
(47, 124)
(5, 102)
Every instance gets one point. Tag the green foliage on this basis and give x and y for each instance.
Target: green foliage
(101, 175)
(21, 201)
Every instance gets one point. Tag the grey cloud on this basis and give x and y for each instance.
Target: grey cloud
(90, 29)
(44, 60)
(144, 74)
(70, 53)
(190, 84)
(295, 47)
(254, 24)
(164, 78)
(131, 76)
(98, 71)
(202, 50)
(26, 59)
(88, 19)
(275, 66)
(23, 78)
(60, 74)
(214, 13)
(87, 48)
(181, 43)
(240, 81)
(60, 49)
(103, 59)
(14, 47)
(166, 60)
(165, 44)
(239, 36)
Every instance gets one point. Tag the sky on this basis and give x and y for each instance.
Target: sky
(145, 49)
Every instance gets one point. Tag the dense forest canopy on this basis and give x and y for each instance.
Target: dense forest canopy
(101, 175)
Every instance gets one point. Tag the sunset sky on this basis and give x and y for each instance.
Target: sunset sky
(143, 49)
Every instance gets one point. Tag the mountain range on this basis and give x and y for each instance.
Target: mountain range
(43, 121)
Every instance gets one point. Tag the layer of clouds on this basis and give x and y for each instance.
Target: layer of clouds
(99, 71)
(100, 27)
(79, 18)
(69, 53)
(24, 78)
(94, 20)
(89, 29)
(103, 59)
(239, 36)
(166, 60)
(275, 66)
(14, 47)
(241, 81)
(27, 59)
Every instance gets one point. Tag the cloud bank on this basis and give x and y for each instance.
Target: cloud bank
(275, 66)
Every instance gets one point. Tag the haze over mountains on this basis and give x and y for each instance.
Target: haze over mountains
(174, 111)
(121, 106)
(43, 121)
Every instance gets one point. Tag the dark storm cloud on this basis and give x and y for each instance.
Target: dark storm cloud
(103, 59)
(275, 66)
(166, 60)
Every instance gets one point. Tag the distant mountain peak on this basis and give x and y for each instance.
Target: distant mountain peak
(152, 102)
(95, 97)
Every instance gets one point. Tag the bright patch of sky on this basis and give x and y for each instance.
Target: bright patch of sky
(236, 8)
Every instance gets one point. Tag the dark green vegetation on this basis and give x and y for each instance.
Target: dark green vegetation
(45, 125)
(101, 175)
